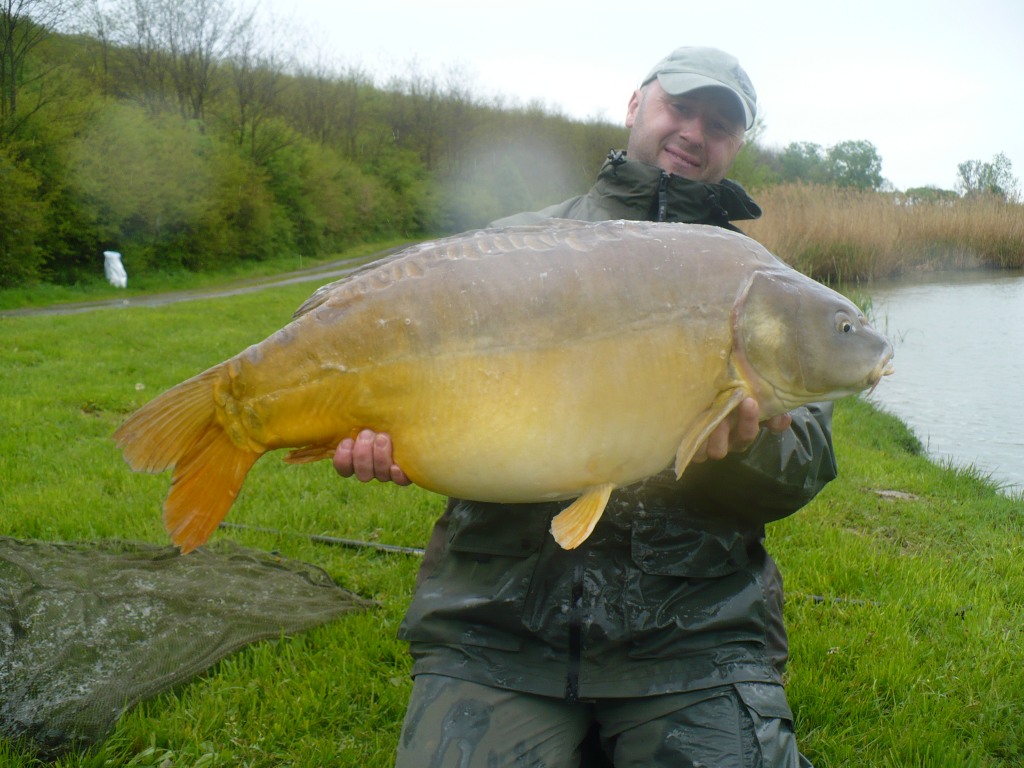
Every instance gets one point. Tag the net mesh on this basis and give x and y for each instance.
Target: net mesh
(88, 630)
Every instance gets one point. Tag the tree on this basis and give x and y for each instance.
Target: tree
(753, 167)
(803, 161)
(173, 47)
(22, 222)
(854, 164)
(975, 178)
(846, 164)
(24, 24)
(257, 85)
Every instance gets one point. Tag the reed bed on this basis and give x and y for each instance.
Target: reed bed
(848, 236)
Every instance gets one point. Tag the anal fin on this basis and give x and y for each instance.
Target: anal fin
(575, 523)
(204, 486)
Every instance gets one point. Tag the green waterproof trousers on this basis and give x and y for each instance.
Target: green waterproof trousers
(455, 723)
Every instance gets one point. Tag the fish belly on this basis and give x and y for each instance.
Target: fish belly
(524, 425)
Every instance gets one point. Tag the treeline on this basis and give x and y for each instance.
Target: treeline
(176, 133)
(179, 133)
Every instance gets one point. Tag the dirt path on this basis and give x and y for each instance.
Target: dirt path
(322, 273)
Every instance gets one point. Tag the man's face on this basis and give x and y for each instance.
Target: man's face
(695, 135)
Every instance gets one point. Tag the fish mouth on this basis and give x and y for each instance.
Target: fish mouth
(885, 367)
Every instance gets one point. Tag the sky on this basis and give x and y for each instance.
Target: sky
(931, 83)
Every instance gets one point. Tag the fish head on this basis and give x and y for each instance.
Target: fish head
(796, 341)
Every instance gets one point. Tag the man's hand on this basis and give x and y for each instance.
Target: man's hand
(738, 430)
(369, 457)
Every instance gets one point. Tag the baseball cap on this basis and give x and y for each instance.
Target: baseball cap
(686, 69)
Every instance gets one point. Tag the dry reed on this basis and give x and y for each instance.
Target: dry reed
(842, 235)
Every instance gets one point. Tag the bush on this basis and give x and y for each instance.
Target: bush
(22, 222)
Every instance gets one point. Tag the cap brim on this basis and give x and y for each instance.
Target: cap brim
(678, 83)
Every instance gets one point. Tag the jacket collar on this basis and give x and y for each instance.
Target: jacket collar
(645, 191)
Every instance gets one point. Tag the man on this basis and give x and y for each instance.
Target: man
(662, 634)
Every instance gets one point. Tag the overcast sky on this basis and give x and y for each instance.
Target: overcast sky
(929, 83)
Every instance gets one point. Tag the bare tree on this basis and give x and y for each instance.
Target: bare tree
(257, 84)
(199, 34)
(24, 24)
(330, 102)
(173, 47)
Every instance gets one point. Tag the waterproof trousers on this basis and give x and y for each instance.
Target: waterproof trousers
(453, 723)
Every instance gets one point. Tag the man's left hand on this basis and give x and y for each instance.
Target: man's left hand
(738, 431)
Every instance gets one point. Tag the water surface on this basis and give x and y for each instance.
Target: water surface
(959, 381)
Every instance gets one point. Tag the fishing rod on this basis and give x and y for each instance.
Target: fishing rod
(331, 540)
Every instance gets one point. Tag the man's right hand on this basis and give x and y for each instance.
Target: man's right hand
(369, 457)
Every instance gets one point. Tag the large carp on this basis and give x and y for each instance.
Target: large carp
(526, 364)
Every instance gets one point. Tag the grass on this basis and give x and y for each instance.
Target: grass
(905, 609)
(904, 579)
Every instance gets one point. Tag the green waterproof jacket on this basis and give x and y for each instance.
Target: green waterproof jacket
(674, 590)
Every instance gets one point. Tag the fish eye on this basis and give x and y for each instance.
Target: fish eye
(844, 324)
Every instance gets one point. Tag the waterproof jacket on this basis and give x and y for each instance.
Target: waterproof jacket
(673, 591)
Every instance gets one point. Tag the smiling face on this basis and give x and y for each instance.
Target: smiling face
(695, 135)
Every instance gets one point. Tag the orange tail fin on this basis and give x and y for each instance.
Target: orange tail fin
(179, 429)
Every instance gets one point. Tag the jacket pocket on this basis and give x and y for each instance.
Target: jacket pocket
(476, 593)
(691, 590)
(669, 545)
(484, 531)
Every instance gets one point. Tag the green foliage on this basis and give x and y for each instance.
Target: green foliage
(753, 169)
(407, 201)
(141, 178)
(855, 164)
(975, 178)
(22, 222)
(166, 193)
(803, 161)
(303, 164)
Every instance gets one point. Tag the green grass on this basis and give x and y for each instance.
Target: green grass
(905, 611)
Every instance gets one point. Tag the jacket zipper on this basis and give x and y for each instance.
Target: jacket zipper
(572, 680)
(663, 197)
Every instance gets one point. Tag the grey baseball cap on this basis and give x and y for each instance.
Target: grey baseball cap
(686, 69)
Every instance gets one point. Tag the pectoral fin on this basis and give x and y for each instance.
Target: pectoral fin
(574, 524)
(704, 425)
(310, 454)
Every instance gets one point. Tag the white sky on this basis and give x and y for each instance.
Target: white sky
(930, 83)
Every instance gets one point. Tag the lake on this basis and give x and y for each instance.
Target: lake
(959, 381)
